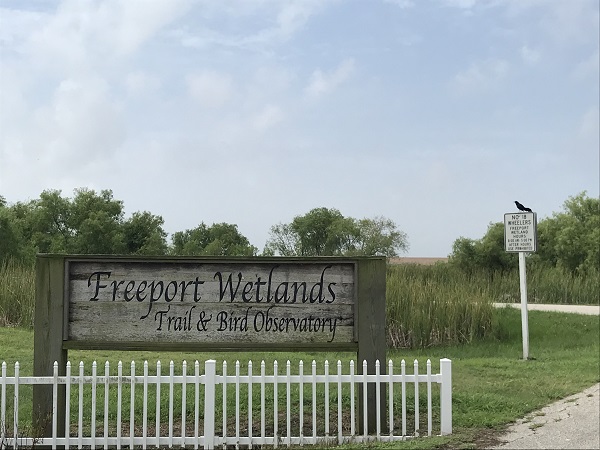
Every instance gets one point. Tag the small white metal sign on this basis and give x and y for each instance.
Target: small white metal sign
(520, 232)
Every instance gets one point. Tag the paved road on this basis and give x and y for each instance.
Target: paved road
(571, 423)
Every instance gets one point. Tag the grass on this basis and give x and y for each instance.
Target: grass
(426, 305)
(544, 284)
(17, 294)
(429, 306)
(492, 386)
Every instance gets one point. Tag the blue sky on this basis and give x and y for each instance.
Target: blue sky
(435, 114)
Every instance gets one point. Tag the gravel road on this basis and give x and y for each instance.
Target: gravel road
(571, 423)
(592, 310)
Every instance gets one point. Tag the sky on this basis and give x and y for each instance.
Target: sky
(437, 114)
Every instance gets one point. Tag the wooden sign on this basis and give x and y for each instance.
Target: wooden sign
(215, 303)
(202, 304)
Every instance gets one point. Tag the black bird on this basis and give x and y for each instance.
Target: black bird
(520, 207)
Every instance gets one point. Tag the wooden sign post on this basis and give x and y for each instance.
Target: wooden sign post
(205, 304)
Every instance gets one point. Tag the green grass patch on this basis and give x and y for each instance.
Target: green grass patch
(492, 386)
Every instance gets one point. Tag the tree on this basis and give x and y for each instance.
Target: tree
(326, 232)
(10, 238)
(48, 222)
(464, 254)
(282, 241)
(220, 239)
(570, 239)
(485, 253)
(143, 234)
(96, 223)
(323, 232)
(379, 236)
(89, 223)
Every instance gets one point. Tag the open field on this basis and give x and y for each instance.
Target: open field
(491, 385)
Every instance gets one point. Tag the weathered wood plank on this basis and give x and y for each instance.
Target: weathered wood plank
(276, 283)
(47, 341)
(285, 303)
(212, 322)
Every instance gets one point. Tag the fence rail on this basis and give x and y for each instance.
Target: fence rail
(205, 410)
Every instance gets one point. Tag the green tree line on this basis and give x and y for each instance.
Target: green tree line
(94, 223)
(568, 240)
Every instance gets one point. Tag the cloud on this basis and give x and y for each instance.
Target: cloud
(572, 21)
(81, 124)
(322, 83)
(135, 21)
(589, 127)
(85, 35)
(268, 117)
(140, 83)
(462, 4)
(17, 25)
(588, 68)
(561, 21)
(211, 89)
(278, 22)
(530, 56)
(402, 3)
(481, 76)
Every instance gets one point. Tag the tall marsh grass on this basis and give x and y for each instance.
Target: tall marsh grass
(426, 305)
(441, 304)
(17, 294)
(435, 305)
(552, 285)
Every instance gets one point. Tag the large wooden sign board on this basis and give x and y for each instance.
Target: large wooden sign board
(218, 305)
(206, 304)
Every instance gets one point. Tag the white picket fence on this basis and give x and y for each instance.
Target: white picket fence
(268, 426)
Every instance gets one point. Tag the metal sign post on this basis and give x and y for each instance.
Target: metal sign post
(524, 315)
(520, 236)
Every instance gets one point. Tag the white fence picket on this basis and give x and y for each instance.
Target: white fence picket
(132, 406)
(16, 406)
(275, 403)
(301, 402)
(171, 399)
(288, 416)
(3, 404)
(352, 408)
(183, 399)
(339, 405)
(429, 412)
(119, 398)
(320, 384)
(157, 413)
(196, 404)
(416, 372)
(106, 398)
(391, 398)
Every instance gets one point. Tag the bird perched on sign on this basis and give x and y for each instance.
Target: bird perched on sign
(521, 207)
